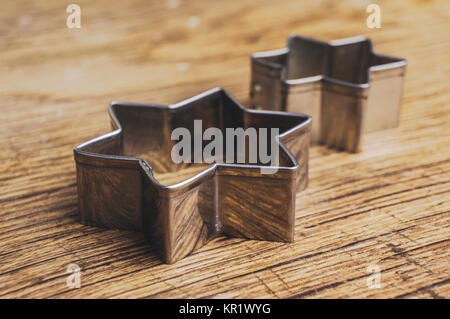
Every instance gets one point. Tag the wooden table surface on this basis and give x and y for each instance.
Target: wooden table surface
(385, 207)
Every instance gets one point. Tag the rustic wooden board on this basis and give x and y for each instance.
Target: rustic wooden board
(388, 205)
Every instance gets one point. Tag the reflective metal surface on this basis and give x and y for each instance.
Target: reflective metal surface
(343, 85)
(126, 179)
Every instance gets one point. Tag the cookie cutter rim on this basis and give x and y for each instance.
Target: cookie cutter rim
(92, 161)
(272, 88)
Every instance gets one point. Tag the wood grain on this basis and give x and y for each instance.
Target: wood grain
(388, 205)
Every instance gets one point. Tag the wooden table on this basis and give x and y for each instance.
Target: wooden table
(385, 207)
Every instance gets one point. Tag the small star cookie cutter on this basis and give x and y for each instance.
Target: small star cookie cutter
(124, 179)
(344, 85)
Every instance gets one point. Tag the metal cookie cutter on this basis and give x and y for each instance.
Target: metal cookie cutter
(346, 87)
(127, 180)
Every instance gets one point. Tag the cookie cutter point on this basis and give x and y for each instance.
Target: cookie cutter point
(345, 86)
(126, 179)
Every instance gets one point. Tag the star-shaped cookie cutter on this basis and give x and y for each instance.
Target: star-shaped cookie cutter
(123, 180)
(344, 85)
